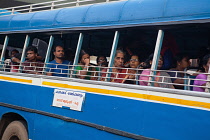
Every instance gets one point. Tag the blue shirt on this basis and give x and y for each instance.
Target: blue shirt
(58, 69)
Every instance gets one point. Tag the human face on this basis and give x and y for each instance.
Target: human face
(184, 63)
(206, 67)
(134, 61)
(59, 52)
(31, 55)
(13, 53)
(85, 59)
(119, 60)
(101, 60)
(160, 63)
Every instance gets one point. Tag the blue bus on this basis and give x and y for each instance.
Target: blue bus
(42, 107)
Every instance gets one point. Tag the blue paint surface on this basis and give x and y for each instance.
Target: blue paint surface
(149, 119)
(110, 14)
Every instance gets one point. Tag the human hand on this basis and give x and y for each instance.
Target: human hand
(87, 61)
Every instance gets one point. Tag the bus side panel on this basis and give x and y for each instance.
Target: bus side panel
(56, 129)
(155, 120)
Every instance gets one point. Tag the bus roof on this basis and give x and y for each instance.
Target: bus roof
(110, 15)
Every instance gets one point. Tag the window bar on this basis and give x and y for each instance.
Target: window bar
(24, 51)
(156, 56)
(49, 48)
(52, 6)
(112, 55)
(4, 48)
(208, 83)
(76, 58)
(30, 9)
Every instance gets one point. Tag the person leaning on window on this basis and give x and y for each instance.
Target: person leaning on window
(59, 66)
(132, 76)
(84, 70)
(32, 65)
(118, 73)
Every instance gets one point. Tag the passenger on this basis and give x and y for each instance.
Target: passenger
(182, 62)
(59, 66)
(101, 61)
(14, 52)
(132, 76)
(158, 73)
(85, 71)
(15, 60)
(32, 65)
(117, 72)
(206, 63)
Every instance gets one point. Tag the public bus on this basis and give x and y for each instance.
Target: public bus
(41, 107)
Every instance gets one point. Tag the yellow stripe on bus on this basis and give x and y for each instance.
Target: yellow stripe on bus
(133, 95)
(15, 79)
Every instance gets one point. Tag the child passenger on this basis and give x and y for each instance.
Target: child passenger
(84, 71)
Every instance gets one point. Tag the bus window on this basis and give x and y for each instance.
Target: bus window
(14, 51)
(62, 54)
(136, 41)
(137, 44)
(2, 38)
(182, 43)
(40, 41)
(95, 44)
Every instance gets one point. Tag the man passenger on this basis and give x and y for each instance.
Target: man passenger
(32, 65)
(117, 72)
(59, 66)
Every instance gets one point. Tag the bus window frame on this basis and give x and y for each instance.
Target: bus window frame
(77, 53)
(6, 40)
(113, 53)
(156, 56)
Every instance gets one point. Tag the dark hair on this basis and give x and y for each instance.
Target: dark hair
(136, 55)
(178, 58)
(54, 48)
(147, 61)
(15, 51)
(82, 52)
(97, 59)
(205, 59)
(32, 48)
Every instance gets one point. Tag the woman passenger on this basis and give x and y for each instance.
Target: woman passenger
(181, 63)
(147, 71)
(84, 71)
(131, 77)
(206, 63)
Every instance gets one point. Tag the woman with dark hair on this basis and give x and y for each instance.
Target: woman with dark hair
(84, 71)
(206, 63)
(132, 76)
(147, 71)
(181, 62)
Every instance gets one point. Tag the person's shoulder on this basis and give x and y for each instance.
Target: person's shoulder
(66, 62)
(53, 61)
(26, 62)
(146, 71)
(104, 70)
(201, 76)
(163, 73)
